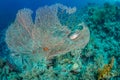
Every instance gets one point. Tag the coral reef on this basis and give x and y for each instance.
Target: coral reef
(105, 37)
(7, 72)
(78, 64)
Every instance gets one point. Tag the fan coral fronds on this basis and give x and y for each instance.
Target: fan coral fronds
(47, 36)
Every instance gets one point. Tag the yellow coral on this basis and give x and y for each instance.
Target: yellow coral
(103, 73)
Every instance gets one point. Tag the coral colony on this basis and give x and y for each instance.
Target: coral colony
(46, 36)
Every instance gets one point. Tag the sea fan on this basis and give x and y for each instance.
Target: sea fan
(46, 36)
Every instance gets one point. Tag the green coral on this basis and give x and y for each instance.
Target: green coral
(105, 14)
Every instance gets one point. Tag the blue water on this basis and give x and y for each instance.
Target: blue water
(8, 8)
